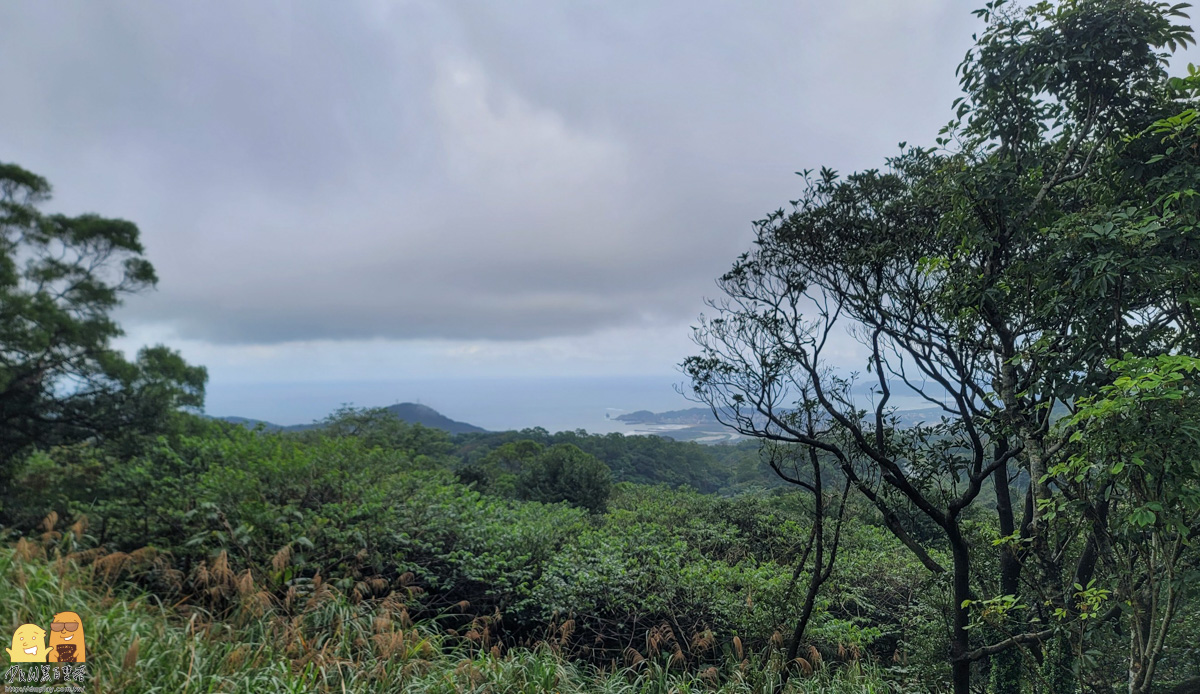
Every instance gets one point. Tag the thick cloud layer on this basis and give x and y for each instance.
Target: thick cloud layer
(455, 170)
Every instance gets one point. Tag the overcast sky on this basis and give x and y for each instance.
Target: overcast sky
(393, 190)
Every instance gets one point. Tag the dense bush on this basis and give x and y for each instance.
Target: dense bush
(528, 470)
(331, 643)
(565, 473)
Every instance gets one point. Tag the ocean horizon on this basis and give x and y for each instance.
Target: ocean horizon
(496, 404)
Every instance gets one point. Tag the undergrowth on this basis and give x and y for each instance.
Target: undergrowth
(324, 641)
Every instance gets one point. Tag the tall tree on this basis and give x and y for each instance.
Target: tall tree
(1136, 466)
(993, 276)
(61, 381)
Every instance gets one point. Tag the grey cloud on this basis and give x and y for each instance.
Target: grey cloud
(456, 170)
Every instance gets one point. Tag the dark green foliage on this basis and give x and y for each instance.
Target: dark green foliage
(379, 426)
(527, 470)
(289, 509)
(565, 473)
(496, 472)
(641, 459)
(60, 380)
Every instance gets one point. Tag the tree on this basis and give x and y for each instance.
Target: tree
(379, 426)
(565, 473)
(60, 379)
(496, 473)
(821, 549)
(1136, 463)
(993, 276)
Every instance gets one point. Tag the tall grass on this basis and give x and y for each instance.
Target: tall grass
(327, 642)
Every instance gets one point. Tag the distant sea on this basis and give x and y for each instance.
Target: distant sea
(498, 404)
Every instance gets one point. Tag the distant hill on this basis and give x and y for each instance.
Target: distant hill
(703, 417)
(699, 424)
(693, 424)
(691, 417)
(410, 412)
(428, 417)
(269, 426)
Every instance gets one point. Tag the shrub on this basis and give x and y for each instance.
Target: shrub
(565, 473)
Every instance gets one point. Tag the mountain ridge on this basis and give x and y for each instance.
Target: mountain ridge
(411, 412)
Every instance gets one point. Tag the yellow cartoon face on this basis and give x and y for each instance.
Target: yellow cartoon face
(66, 639)
(28, 645)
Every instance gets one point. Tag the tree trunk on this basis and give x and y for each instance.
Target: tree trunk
(960, 639)
(1006, 665)
(815, 578)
